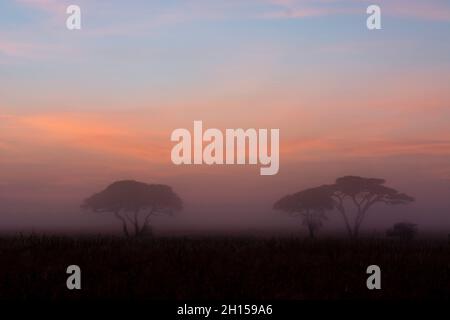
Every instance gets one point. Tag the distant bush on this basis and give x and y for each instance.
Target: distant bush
(403, 231)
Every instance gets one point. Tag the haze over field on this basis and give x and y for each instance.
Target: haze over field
(81, 109)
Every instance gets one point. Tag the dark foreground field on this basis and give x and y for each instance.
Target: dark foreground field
(221, 268)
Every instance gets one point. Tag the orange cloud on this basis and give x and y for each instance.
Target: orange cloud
(91, 134)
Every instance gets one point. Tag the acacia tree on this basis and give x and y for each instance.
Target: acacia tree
(363, 194)
(134, 203)
(310, 204)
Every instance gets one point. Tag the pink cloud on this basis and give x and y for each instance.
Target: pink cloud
(424, 10)
(331, 148)
(15, 49)
(29, 50)
(52, 6)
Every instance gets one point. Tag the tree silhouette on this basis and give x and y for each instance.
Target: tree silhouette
(310, 204)
(134, 203)
(363, 193)
(403, 231)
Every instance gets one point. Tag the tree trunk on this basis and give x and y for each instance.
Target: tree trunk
(145, 224)
(311, 231)
(358, 221)
(137, 229)
(124, 224)
(356, 230)
(125, 230)
(347, 223)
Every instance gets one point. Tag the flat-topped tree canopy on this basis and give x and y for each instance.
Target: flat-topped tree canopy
(314, 199)
(128, 196)
(369, 189)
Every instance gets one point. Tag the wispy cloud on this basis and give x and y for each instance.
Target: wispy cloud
(331, 148)
(84, 133)
(15, 49)
(28, 50)
(52, 6)
(435, 10)
(119, 18)
(425, 10)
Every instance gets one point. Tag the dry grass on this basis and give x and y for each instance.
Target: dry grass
(221, 268)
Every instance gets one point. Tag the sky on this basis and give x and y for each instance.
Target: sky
(81, 109)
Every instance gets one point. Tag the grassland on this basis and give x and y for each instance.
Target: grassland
(209, 268)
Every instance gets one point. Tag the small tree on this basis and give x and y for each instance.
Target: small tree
(403, 231)
(310, 204)
(363, 193)
(134, 203)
